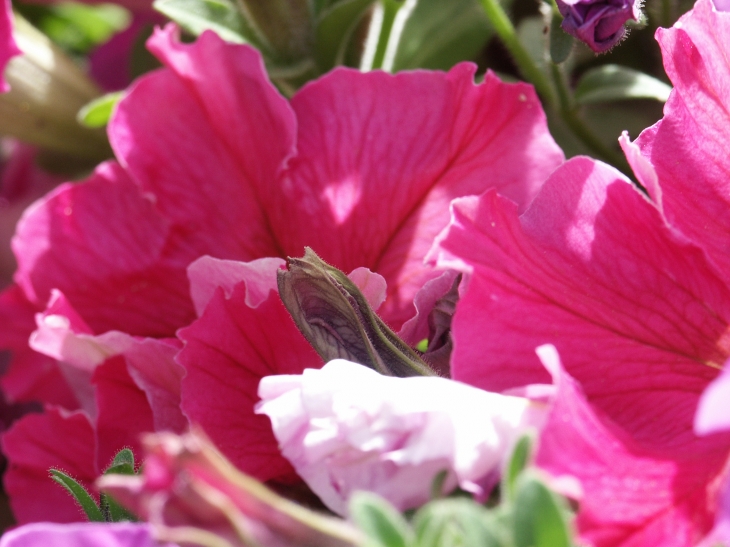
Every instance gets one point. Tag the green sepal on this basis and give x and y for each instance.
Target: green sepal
(540, 517)
(113, 512)
(616, 83)
(124, 456)
(380, 521)
(97, 112)
(458, 522)
(337, 320)
(79, 494)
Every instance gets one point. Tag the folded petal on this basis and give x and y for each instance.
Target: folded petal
(211, 150)
(227, 351)
(631, 496)
(688, 146)
(33, 445)
(105, 246)
(124, 413)
(638, 313)
(388, 190)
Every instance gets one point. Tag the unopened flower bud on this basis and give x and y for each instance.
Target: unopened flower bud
(47, 90)
(335, 317)
(598, 23)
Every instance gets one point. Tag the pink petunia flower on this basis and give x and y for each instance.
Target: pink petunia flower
(85, 535)
(635, 295)
(212, 161)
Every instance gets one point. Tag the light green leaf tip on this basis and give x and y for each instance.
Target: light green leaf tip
(97, 113)
(615, 83)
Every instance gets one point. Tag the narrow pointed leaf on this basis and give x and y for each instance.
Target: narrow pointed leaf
(113, 512)
(517, 464)
(79, 493)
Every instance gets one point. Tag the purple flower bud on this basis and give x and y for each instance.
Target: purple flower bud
(598, 23)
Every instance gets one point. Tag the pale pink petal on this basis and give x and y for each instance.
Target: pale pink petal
(373, 286)
(227, 351)
(417, 328)
(381, 156)
(688, 147)
(213, 148)
(637, 313)
(713, 412)
(630, 495)
(62, 335)
(43, 534)
(207, 274)
(346, 428)
(36, 443)
(8, 47)
(105, 246)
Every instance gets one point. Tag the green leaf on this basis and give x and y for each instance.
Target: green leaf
(379, 520)
(124, 456)
(439, 34)
(196, 16)
(615, 83)
(79, 493)
(561, 43)
(97, 112)
(540, 517)
(458, 523)
(77, 27)
(517, 463)
(334, 30)
(113, 512)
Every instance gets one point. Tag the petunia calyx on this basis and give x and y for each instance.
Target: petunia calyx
(335, 317)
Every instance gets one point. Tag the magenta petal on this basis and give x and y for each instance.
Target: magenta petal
(30, 376)
(43, 534)
(124, 412)
(104, 245)
(388, 189)
(227, 352)
(211, 150)
(63, 335)
(688, 147)
(631, 496)
(636, 312)
(8, 47)
(713, 412)
(36, 443)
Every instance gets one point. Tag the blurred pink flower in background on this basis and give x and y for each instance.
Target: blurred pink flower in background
(633, 293)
